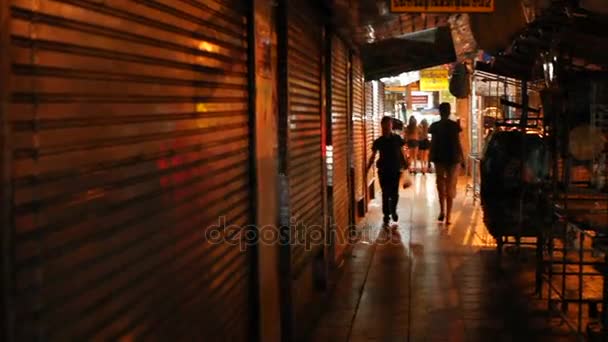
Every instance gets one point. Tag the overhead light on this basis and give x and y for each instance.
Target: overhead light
(371, 36)
(382, 8)
(549, 61)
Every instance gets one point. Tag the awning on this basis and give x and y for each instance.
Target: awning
(407, 53)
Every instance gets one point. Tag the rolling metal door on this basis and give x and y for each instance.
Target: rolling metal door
(304, 161)
(370, 122)
(375, 122)
(358, 129)
(378, 109)
(379, 104)
(339, 138)
(130, 138)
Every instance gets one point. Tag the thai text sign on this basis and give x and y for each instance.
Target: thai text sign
(435, 79)
(395, 89)
(442, 6)
(420, 99)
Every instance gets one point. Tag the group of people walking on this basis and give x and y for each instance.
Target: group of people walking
(418, 144)
(444, 151)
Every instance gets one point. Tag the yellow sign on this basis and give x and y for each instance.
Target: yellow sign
(435, 79)
(402, 89)
(442, 6)
(395, 89)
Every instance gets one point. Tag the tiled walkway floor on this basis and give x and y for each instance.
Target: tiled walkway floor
(424, 281)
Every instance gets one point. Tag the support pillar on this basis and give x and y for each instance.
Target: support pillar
(463, 111)
(266, 163)
(408, 99)
(525, 104)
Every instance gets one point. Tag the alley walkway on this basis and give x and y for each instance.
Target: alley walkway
(428, 282)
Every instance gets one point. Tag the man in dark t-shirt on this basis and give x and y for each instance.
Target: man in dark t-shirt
(390, 165)
(446, 154)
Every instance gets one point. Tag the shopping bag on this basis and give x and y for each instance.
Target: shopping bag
(406, 180)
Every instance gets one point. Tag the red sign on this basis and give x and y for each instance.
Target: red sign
(420, 99)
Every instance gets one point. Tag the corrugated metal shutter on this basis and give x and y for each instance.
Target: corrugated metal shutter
(130, 134)
(370, 123)
(375, 112)
(378, 109)
(358, 129)
(339, 135)
(380, 105)
(305, 159)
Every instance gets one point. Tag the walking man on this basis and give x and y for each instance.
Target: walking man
(390, 165)
(446, 153)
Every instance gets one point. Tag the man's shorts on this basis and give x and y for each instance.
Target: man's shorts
(447, 177)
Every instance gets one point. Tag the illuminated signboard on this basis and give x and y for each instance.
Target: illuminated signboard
(420, 99)
(395, 89)
(442, 6)
(402, 89)
(435, 79)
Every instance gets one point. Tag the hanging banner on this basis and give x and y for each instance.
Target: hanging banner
(435, 79)
(442, 6)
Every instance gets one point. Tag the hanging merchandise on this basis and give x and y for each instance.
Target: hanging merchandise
(465, 45)
(460, 84)
(507, 180)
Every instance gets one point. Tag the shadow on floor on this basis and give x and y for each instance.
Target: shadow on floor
(423, 281)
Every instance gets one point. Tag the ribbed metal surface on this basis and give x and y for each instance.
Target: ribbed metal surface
(379, 105)
(378, 108)
(339, 109)
(304, 142)
(370, 124)
(129, 128)
(358, 129)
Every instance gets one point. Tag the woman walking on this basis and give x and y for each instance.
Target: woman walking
(411, 136)
(424, 145)
(447, 155)
(390, 164)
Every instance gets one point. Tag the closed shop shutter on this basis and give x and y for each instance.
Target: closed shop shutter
(358, 129)
(339, 136)
(378, 106)
(380, 103)
(370, 127)
(304, 164)
(376, 111)
(130, 135)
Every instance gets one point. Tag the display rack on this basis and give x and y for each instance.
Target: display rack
(507, 107)
(575, 264)
(499, 110)
(474, 185)
(576, 258)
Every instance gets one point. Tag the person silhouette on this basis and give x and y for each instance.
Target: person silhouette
(446, 153)
(390, 165)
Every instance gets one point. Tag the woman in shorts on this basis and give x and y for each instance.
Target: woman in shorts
(411, 137)
(424, 145)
